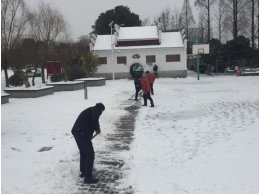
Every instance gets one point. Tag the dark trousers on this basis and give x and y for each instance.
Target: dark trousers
(147, 96)
(136, 95)
(151, 86)
(156, 75)
(87, 155)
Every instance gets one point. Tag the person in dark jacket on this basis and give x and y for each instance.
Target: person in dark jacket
(146, 91)
(83, 130)
(137, 87)
(155, 68)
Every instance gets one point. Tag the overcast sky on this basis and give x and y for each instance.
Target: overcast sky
(81, 14)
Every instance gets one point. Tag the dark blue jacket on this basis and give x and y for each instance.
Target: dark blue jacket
(87, 122)
(137, 84)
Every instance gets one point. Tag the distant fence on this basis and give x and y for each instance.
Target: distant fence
(242, 73)
(222, 74)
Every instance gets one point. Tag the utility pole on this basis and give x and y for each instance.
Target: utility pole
(113, 77)
(198, 66)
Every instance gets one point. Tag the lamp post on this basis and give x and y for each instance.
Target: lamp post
(113, 76)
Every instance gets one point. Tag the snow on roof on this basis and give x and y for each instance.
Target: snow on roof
(103, 42)
(136, 33)
(168, 39)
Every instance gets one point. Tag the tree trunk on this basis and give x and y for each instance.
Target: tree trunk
(5, 71)
(208, 20)
(66, 77)
(253, 25)
(33, 83)
(42, 73)
(258, 27)
(220, 31)
(202, 35)
(25, 79)
(234, 20)
(6, 76)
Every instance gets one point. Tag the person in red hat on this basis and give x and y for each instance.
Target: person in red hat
(146, 91)
(151, 79)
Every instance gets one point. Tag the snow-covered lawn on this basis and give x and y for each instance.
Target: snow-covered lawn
(201, 137)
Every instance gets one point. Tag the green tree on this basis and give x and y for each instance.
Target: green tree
(120, 15)
(90, 63)
(238, 49)
(216, 52)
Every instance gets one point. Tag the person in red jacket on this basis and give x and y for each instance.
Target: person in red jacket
(146, 91)
(151, 79)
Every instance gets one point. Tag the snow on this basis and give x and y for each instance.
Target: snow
(136, 33)
(103, 42)
(66, 83)
(201, 137)
(90, 79)
(32, 88)
(168, 39)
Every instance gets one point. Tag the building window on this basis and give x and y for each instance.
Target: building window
(150, 59)
(122, 60)
(173, 58)
(103, 60)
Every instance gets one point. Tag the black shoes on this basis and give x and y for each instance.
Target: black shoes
(82, 175)
(144, 105)
(92, 180)
(152, 105)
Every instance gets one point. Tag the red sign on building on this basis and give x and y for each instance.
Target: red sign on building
(53, 67)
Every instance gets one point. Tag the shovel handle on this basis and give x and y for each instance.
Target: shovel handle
(94, 136)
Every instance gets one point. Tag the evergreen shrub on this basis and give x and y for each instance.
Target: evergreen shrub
(15, 80)
(76, 73)
(57, 77)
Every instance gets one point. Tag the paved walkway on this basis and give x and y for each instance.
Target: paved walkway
(118, 142)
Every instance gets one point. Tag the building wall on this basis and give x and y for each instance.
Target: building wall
(168, 69)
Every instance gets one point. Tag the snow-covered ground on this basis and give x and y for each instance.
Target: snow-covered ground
(201, 137)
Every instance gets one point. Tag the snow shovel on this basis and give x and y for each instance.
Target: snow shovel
(132, 96)
(94, 136)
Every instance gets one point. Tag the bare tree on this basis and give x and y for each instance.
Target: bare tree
(14, 17)
(165, 18)
(258, 25)
(252, 12)
(207, 6)
(82, 45)
(47, 25)
(145, 22)
(176, 18)
(31, 55)
(187, 19)
(65, 52)
(201, 26)
(220, 14)
(236, 20)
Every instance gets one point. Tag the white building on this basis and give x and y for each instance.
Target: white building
(140, 48)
